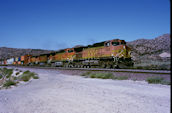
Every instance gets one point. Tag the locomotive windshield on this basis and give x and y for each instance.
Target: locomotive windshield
(115, 43)
(123, 43)
(70, 51)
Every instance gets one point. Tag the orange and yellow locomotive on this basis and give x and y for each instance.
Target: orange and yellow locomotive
(107, 54)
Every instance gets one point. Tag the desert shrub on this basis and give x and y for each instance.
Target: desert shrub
(93, 75)
(15, 78)
(35, 77)
(155, 80)
(27, 75)
(86, 73)
(25, 78)
(26, 72)
(9, 83)
(6, 72)
(9, 72)
(107, 76)
(102, 75)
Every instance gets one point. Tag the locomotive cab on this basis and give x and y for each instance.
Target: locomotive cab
(69, 54)
(122, 53)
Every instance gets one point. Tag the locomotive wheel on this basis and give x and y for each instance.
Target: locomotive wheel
(88, 66)
(70, 66)
(103, 66)
(109, 66)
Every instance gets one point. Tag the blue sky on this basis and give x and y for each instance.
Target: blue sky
(57, 24)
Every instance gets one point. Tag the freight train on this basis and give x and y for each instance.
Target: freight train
(107, 54)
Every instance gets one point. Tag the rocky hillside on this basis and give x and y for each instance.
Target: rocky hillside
(15, 52)
(151, 48)
(152, 51)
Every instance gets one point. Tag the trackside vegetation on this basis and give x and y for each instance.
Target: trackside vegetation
(157, 80)
(103, 76)
(11, 77)
(150, 80)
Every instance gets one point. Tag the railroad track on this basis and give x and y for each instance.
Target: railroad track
(101, 69)
(121, 70)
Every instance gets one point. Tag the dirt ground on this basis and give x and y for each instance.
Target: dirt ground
(57, 92)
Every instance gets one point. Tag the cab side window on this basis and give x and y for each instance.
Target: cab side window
(115, 43)
(107, 44)
(70, 51)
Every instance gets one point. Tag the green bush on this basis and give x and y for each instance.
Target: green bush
(86, 73)
(7, 72)
(27, 75)
(108, 76)
(35, 77)
(9, 83)
(155, 80)
(15, 78)
(102, 75)
(26, 72)
(25, 78)
(93, 76)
